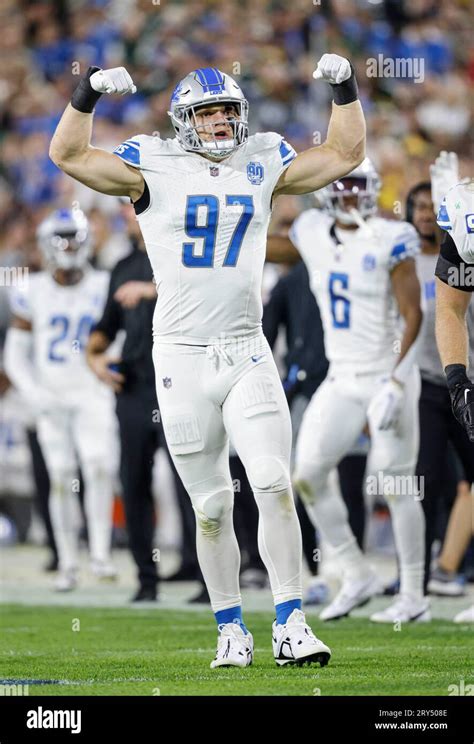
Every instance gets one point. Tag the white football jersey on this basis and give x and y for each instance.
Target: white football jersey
(205, 231)
(61, 318)
(349, 273)
(456, 215)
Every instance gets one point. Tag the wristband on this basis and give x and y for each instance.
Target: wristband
(85, 97)
(456, 375)
(346, 92)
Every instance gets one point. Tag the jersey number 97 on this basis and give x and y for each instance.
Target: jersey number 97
(208, 232)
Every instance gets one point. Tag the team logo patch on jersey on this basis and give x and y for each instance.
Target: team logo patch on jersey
(167, 382)
(368, 262)
(255, 173)
(470, 223)
(214, 170)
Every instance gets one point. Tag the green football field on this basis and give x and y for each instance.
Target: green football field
(88, 651)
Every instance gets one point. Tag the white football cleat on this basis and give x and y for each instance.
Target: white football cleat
(317, 592)
(405, 609)
(104, 570)
(446, 583)
(295, 643)
(466, 616)
(66, 580)
(352, 594)
(234, 647)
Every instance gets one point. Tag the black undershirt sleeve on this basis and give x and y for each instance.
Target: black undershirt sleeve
(451, 269)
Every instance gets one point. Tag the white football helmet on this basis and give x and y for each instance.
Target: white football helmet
(208, 86)
(64, 239)
(363, 182)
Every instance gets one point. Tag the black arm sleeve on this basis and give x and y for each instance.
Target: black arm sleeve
(451, 268)
(112, 320)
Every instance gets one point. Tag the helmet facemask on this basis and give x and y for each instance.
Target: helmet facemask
(69, 250)
(64, 240)
(187, 131)
(332, 200)
(363, 189)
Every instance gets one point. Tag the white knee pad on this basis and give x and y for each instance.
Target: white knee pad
(268, 474)
(212, 500)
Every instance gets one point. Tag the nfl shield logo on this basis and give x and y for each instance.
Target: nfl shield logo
(167, 382)
(213, 170)
(255, 173)
(368, 262)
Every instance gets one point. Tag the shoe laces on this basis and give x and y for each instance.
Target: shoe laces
(297, 621)
(231, 630)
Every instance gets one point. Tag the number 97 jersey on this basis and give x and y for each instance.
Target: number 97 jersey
(205, 224)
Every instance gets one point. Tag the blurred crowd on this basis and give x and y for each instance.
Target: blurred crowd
(271, 47)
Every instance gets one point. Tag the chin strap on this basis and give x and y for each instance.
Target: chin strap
(360, 222)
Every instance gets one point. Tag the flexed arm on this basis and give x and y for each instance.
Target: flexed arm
(344, 148)
(71, 148)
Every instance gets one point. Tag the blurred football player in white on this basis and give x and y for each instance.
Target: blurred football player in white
(363, 275)
(454, 287)
(203, 201)
(44, 357)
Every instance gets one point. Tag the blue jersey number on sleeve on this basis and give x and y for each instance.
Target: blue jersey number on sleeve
(208, 232)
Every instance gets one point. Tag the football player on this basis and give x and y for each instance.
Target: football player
(203, 201)
(44, 356)
(363, 275)
(454, 284)
(437, 424)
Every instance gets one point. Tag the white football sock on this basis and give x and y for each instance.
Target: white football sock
(279, 542)
(98, 499)
(408, 523)
(65, 518)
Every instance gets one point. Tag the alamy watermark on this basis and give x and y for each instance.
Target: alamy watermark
(382, 484)
(461, 689)
(14, 276)
(238, 345)
(461, 277)
(410, 68)
(15, 690)
(43, 718)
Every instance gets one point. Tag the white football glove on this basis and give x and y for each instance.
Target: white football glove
(444, 174)
(115, 80)
(333, 69)
(386, 406)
